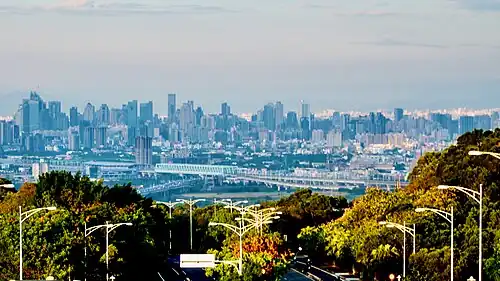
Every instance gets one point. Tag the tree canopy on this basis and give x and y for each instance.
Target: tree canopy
(357, 238)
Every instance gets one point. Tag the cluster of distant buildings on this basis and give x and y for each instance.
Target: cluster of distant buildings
(39, 126)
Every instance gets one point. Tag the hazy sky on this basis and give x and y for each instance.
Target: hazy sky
(340, 54)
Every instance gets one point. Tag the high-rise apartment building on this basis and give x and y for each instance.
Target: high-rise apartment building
(465, 124)
(225, 109)
(398, 114)
(306, 110)
(172, 107)
(73, 116)
(89, 113)
(279, 115)
(103, 115)
(143, 150)
(268, 115)
(146, 112)
(292, 121)
(101, 137)
(132, 114)
(88, 137)
(73, 141)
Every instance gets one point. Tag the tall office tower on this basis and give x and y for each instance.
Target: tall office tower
(380, 124)
(24, 119)
(465, 124)
(4, 132)
(88, 137)
(336, 120)
(100, 137)
(73, 141)
(103, 115)
(115, 116)
(132, 133)
(54, 108)
(34, 115)
(186, 120)
(225, 109)
(344, 122)
(132, 114)
(198, 115)
(269, 117)
(279, 115)
(305, 127)
(89, 113)
(73, 116)
(143, 150)
(306, 110)
(172, 107)
(398, 114)
(292, 121)
(146, 113)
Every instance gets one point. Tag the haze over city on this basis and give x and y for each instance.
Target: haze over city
(345, 55)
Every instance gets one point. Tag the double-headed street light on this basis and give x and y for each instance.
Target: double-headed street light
(403, 228)
(231, 203)
(449, 217)
(240, 231)
(191, 203)
(170, 206)
(262, 216)
(22, 217)
(478, 197)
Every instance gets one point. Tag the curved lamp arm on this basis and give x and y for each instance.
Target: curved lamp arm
(27, 214)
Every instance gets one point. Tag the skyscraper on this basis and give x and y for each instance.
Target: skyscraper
(269, 117)
(292, 121)
(132, 114)
(34, 115)
(279, 114)
(465, 124)
(172, 107)
(398, 114)
(89, 113)
(100, 137)
(225, 109)
(88, 137)
(146, 113)
(73, 141)
(54, 109)
(103, 115)
(73, 116)
(143, 150)
(306, 110)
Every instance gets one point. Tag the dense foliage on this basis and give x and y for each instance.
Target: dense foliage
(54, 242)
(376, 251)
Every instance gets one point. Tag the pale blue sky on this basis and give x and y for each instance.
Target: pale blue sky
(355, 54)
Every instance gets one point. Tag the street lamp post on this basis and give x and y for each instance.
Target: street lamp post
(478, 197)
(449, 217)
(170, 206)
(473, 194)
(22, 217)
(109, 228)
(240, 231)
(403, 228)
(191, 203)
(88, 231)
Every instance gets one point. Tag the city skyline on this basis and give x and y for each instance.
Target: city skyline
(360, 55)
